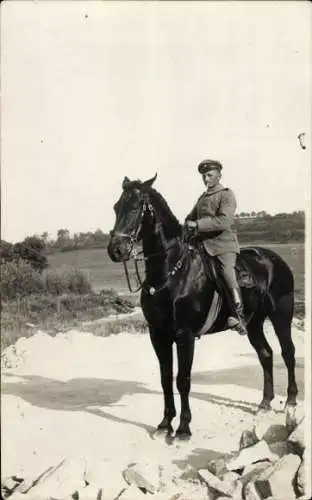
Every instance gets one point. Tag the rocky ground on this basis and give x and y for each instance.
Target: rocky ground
(79, 413)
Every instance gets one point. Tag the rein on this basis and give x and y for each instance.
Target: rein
(146, 206)
(152, 290)
(137, 272)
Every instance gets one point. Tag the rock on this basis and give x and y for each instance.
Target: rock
(252, 471)
(63, 480)
(190, 474)
(8, 486)
(9, 483)
(248, 438)
(91, 492)
(271, 427)
(282, 448)
(214, 483)
(29, 496)
(132, 476)
(298, 436)
(218, 466)
(293, 416)
(102, 474)
(175, 496)
(74, 496)
(169, 474)
(28, 482)
(25, 485)
(255, 453)
(251, 493)
(300, 480)
(231, 479)
(275, 433)
(130, 493)
(278, 482)
(189, 491)
(238, 492)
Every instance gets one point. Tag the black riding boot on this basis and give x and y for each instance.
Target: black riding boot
(237, 322)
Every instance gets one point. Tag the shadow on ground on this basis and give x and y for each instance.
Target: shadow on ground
(251, 376)
(81, 394)
(199, 458)
(94, 395)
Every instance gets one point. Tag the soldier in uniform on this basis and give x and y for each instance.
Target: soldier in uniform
(211, 220)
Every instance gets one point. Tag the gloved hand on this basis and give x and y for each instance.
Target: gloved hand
(190, 229)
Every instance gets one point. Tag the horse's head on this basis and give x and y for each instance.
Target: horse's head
(131, 210)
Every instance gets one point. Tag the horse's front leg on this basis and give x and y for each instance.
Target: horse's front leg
(185, 350)
(163, 349)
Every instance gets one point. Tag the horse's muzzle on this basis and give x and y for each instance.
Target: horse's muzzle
(119, 248)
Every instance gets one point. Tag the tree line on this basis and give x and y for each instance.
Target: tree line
(34, 249)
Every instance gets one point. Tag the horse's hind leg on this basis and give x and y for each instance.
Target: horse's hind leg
(265, 355)
(163, 350)
(281, 319)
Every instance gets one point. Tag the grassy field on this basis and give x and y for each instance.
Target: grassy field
(21, 317)
(95, 263)
(103, 273)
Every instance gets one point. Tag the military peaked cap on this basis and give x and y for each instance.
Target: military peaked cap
(207, 165)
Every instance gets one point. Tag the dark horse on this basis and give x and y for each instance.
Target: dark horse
(178, 295)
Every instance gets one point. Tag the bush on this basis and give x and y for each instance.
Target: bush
(23, 316)
(68, 280)
(32, 250)
(18, 279)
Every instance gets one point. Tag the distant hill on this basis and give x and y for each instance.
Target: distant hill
(251, 228)
(280, 228)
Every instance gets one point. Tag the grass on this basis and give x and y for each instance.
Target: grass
(102, 273)
(21, 317)
(54, 314)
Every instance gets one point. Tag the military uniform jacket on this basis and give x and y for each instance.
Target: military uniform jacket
(214, 213)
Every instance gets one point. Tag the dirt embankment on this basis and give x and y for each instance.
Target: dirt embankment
(98, 399)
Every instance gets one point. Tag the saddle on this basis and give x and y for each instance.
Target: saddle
(245, 276)
(259, 281)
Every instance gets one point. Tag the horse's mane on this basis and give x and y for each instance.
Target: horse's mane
(162, 207)
(165, 211)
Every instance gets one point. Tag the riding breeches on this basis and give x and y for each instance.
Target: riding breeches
(227, 268)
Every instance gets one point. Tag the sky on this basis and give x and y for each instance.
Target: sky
(95, 91)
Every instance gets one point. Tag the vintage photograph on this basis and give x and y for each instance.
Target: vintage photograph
(155, 250)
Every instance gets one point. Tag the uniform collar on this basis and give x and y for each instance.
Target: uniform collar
(218, 187)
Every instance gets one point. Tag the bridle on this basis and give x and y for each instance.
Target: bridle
(133, 235)
(147, 207)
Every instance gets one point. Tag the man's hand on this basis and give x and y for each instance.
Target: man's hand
(190, 228)
(191, 225)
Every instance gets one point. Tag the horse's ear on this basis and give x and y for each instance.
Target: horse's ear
(150, 182)
(125, 182)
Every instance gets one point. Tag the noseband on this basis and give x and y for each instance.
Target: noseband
(133, 235)
(133, 238)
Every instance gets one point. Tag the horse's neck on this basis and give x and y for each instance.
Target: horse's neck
(160, 252)
(160, 240)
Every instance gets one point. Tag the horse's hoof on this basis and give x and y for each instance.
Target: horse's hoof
(162, 431)
(183, 434)
(264, 407)
(162, 428)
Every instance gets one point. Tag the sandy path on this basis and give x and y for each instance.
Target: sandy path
(78, 395)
